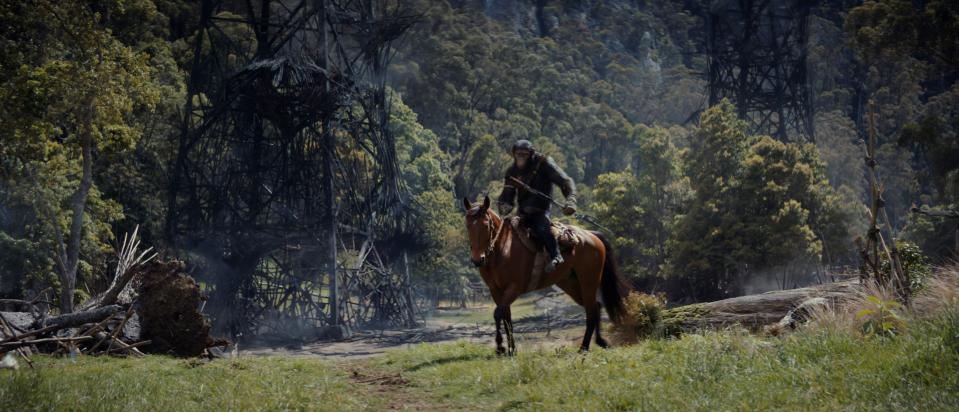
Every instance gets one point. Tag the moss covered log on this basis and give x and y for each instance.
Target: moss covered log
(751, 311)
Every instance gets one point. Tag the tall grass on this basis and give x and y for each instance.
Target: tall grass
(939, 293)
(813, 369)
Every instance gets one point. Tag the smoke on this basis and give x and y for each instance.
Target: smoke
(792, 275)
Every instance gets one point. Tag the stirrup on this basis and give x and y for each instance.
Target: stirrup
(551, 265)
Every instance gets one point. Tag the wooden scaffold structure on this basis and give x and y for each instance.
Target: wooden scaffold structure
(285, 148)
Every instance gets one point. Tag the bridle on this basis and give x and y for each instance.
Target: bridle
(494, 236)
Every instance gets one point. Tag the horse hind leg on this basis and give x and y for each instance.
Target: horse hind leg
(592, 325)
(599, 339)
(573, 289)
(589, 285)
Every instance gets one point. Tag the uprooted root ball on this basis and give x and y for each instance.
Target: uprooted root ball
(168, 302)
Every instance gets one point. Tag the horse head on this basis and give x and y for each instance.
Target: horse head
(481, 226)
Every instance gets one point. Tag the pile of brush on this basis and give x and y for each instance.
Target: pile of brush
(152, 306)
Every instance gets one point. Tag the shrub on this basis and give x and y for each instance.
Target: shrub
(642, 318)
(914, 263)
(881, 318)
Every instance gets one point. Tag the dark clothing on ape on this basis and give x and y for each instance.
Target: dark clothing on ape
(539, 224)
(540, 173)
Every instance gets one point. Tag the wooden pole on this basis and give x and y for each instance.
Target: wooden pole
(329, 153)
(898, 278)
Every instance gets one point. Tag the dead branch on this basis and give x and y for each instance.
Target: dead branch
(18, 344)
(74, 319)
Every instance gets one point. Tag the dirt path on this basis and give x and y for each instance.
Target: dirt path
(541, 321)
(392, 388)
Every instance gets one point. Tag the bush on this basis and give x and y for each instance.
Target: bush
(914, 263)
(643, 318)
(881, 318)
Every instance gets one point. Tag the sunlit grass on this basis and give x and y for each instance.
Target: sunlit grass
(822, 368)
(817, 370)
(167, 384)
(483, 313)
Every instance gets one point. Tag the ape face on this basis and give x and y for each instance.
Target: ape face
(521, 156)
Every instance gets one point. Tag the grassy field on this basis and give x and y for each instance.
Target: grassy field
(816, 369)
(483, 314)
(167, 384)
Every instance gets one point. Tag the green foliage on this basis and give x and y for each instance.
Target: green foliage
(596, 86)
(807, 370)
(84, 84)
(913, 261)
(909, 49)
(473, 79)
(933, 138)
(759, 204)
(881, 318)
(643, 318)
(674, 319)
(640, 204)
(439, 268)
(889, 28)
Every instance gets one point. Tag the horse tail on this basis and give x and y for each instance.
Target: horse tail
(612, 286)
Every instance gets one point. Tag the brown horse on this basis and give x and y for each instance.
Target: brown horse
(506, 266)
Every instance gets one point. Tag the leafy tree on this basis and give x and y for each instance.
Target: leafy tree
(639, 205)
(701, 245)
(71, 97)
(928, 30)
(758, 204)
(910, 49)
(439, 268)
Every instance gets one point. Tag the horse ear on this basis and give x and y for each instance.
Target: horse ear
(485, 202)
(466, 204)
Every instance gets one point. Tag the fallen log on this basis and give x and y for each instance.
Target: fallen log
(34, 325)
(69, 320)
(752, 311)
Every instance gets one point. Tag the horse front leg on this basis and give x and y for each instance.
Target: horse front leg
(500, 350)
(510, 342)
(502, 313)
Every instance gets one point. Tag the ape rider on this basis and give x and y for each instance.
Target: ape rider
(540, 173)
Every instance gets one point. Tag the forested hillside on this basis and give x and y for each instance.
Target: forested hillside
(95, 110)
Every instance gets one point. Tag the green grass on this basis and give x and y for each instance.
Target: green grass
(522, 308)
(818, 369)
(815, 370)
(168, 384)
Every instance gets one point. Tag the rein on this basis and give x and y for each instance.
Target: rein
(495, 238)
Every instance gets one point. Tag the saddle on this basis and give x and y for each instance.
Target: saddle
(567, 236)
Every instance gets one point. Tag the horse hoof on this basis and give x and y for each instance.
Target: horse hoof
(500, 351)
(602, 343)
(583, 350)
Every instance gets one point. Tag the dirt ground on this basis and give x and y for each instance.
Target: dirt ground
(540, 320)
